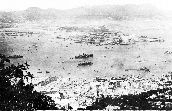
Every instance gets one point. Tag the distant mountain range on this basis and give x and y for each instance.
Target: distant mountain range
(114, 12)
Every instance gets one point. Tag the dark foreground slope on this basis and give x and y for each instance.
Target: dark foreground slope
(15, 94)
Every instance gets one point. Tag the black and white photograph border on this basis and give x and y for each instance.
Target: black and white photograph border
(85, 55)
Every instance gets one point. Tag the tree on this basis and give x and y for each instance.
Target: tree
(17, 95)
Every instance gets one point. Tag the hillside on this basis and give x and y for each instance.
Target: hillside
(114, 12)
(117, 12)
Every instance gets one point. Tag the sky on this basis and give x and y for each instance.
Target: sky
(15, 5)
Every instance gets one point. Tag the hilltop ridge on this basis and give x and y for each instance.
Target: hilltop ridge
(114, 12)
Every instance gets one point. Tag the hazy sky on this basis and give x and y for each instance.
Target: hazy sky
(67, 4)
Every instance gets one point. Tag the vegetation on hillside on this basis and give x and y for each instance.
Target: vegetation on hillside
(15, 94)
